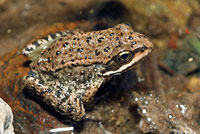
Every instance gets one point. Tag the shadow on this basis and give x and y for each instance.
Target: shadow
(114, 10)
(111, 13)
(134, 112)
(105, 14)
(27, 63)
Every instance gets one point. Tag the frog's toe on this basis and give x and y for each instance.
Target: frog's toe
(73, 107)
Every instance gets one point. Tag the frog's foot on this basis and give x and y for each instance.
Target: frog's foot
(33, 50)
(65, 104)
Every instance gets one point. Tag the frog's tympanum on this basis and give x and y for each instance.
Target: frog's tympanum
(68, 67)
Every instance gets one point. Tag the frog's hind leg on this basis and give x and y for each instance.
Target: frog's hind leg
(33, 50)
(68, 105)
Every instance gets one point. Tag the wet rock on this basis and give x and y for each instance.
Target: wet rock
(6, 118)
(184, 59)
(165, 115)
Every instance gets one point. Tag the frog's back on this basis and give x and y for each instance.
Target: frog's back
(88, 48)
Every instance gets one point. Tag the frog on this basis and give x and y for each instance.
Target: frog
(67, 68)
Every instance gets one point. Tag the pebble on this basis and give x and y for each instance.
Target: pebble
(6, 118)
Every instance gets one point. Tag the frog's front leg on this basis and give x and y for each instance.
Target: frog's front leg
(89, 93)
(67, 105)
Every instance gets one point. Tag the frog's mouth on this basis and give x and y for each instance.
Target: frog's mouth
(115, 68)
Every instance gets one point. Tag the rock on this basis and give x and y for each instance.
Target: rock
(6, 118)
(170, 116)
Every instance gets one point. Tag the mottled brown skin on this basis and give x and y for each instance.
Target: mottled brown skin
(69, 71)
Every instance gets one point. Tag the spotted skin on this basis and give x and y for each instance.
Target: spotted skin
(69, 70)
(33, 50)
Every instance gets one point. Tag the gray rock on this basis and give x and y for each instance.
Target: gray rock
(6, 118)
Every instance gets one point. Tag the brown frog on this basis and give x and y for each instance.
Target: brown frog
(68, 67)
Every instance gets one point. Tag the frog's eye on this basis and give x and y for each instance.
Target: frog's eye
(124, 56)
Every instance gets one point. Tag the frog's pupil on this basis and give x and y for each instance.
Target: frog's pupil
(124, 56)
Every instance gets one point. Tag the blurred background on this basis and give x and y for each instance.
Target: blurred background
(160, 19)
(172, 25)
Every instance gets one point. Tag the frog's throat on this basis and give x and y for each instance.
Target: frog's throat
(136, 59)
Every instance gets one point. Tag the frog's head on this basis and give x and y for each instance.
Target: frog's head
(134, 48)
